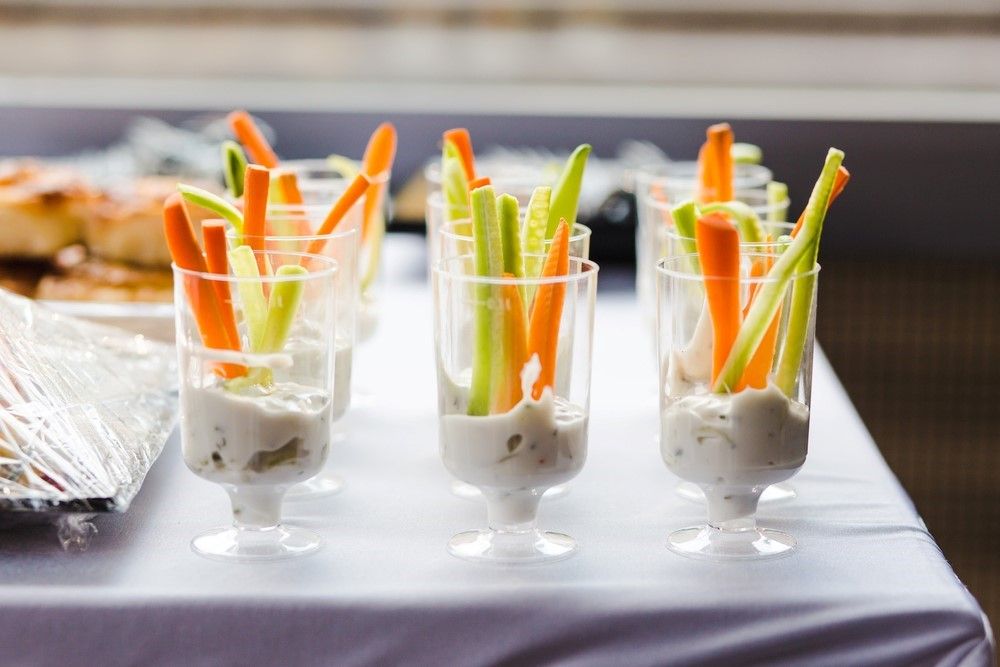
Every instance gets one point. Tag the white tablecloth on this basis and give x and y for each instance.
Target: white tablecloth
(868, 584)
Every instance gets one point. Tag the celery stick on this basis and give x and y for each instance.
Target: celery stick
(509, 213)
(345, 166)
(797, 328)
(746, 153)
(777, 193)
(454, 184)
(489, 262)
(374, 255)
(536, 221)
(566, 194)
(769, 296)
(685, 217)
(747, 221)
(213, 203)
(251, 291)
(281, 308)
(234, 166)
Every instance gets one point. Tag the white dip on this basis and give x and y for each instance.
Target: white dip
(731, 443)
(274, 439)
(535, 445)
(305, 356)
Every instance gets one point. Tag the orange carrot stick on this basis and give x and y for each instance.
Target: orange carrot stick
(720, 146)
(760, 364)
(463, 142)
(515, 348)
(376, 165)
(839, 183)
(257, 181)
(289, 184)
(719, 251)
(359, 186)
(186, 254)
(546, 312)
(479, 182)
(252, 138)
(213, 232)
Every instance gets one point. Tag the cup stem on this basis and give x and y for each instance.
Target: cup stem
(732, 509)
(256, 507)
(512, 511)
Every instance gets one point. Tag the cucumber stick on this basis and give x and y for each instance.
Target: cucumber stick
(234, 166)
(213, 203)
(282, 306)
(768, 298)
(251, 293)
(488, 257)
(685, 217)
(566, 194)
(509, 213)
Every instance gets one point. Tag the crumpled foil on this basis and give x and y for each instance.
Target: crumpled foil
(85, 409)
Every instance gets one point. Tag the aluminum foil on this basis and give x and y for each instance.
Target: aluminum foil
(85, 409)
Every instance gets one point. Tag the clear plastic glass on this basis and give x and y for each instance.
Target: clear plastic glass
(266, 427)
(654, 223)
(512, 456)
(681, 178)
(733, 446)
(517, 175)
(292, 228)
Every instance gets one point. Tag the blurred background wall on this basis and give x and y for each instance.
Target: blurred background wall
(910, 89)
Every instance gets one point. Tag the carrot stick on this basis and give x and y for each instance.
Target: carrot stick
(376, 165)
(288, 183)
(257, 182)
(719, 251)
(460, 138)
(186, 254)
(351, 195)
(839, 183)
(213, 233)
(546, 312)
(720, 145)
(479, 182)
(706, 175)
(252, 138)
(515, 348)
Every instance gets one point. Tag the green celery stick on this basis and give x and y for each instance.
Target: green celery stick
(747, 221)
(489, 262)
(454, 184)
(251, 293)
(777, 193)
(566, 194)
(213, 203)
(769, 296)
(344, 166)
(509, 213)
(234, 166)
(281, 307)
(685, 217)
(536, 221)
(746, 153)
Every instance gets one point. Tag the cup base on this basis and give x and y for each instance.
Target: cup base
(707, 543)
(252, 545)
(776, 493)
(322, 485)
(490, 546)
(467, 491)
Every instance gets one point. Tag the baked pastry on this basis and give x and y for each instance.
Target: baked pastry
(127, 223)
(42, 209)
(79, 278)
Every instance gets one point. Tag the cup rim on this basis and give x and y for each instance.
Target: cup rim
(589, 269)
(759, 209)
(686, 273)
(760, 175)
(672, 233)
(329, 268)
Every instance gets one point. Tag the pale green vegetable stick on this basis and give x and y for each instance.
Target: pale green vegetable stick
(282, 306)
(769, 296)
(533, 233)
(744, 153)
(776, 194)
(566, 194)
(234, 165)
(747, 222)
(344, 166)
(489, 262)
(509, 213)
(213, 203)
(685, 217)
(251, 291)
(454, 184)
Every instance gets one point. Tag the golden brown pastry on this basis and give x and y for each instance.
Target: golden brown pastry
(42, 209)
(77, 278)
